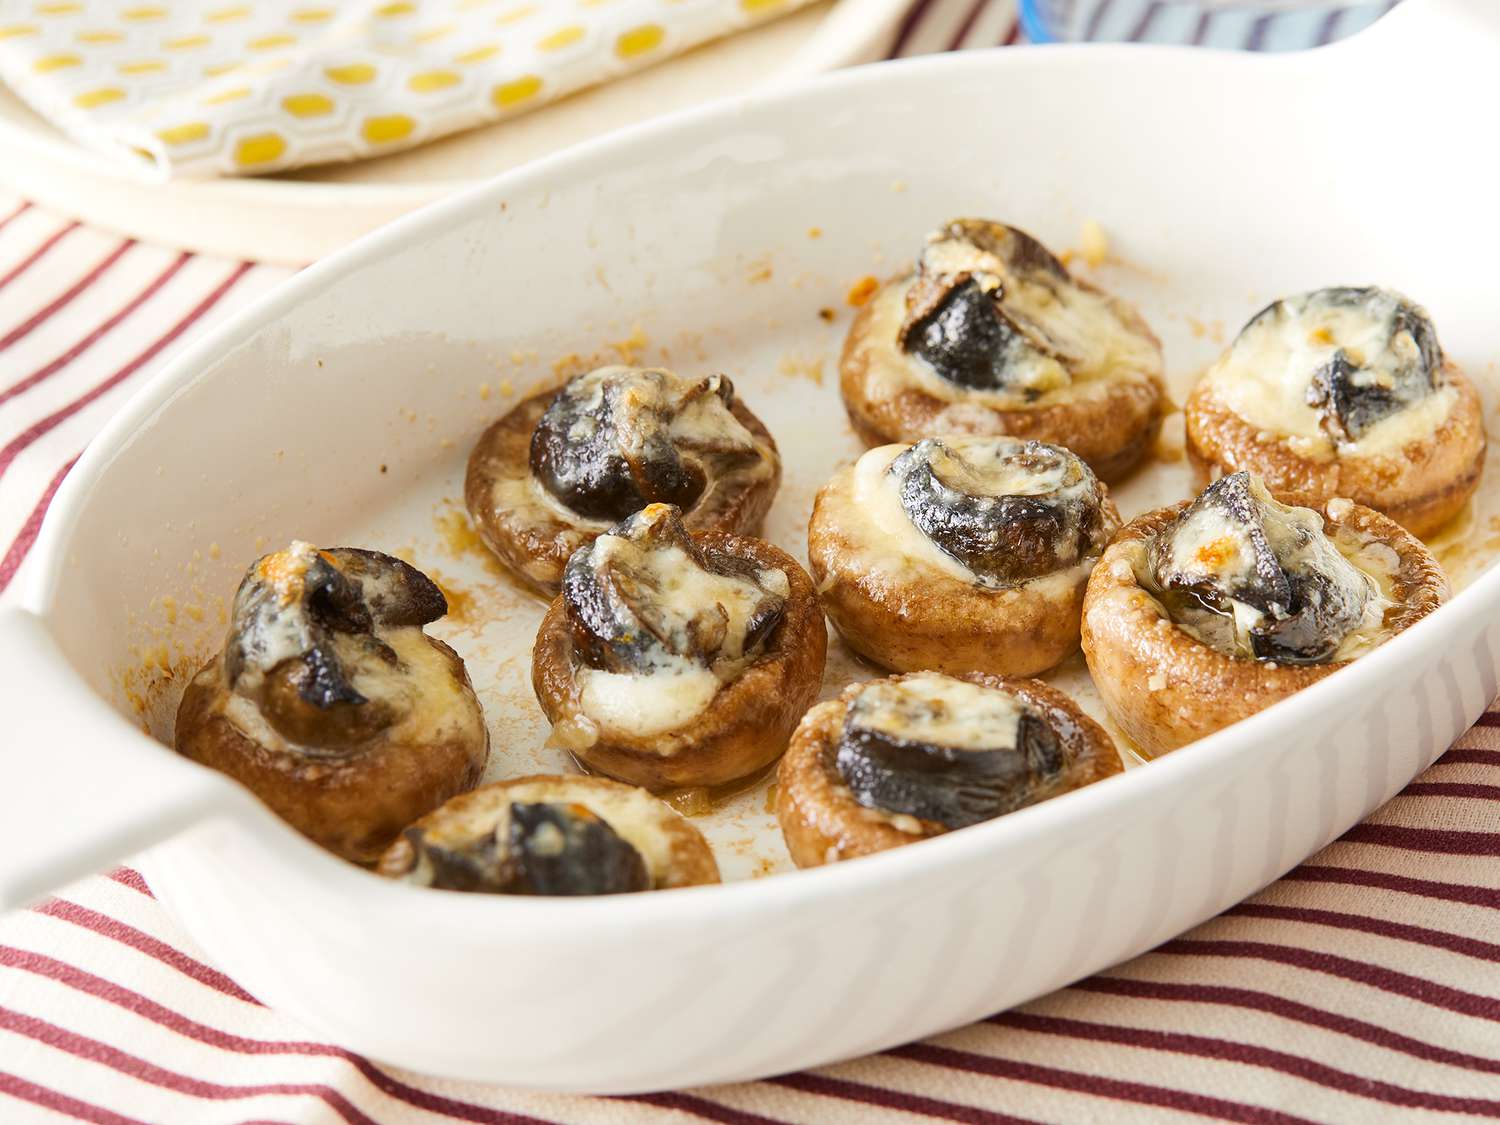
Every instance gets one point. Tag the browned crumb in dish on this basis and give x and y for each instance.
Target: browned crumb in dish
(331, 703)
(960, 554)
(552, 836)
(1203, 613)
(906, 758)
(991, 335)
(565, 465)
(1343, 392)
(672, 660)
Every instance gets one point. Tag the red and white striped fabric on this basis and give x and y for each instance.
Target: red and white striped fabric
(85, 316)
(1362, 986)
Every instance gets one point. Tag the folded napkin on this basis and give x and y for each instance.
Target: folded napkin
(231, 88)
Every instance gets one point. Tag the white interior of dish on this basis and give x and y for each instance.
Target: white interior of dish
(346, 417)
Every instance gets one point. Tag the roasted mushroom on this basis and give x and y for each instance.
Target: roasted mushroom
(329, 701)
(1343, 392)
(901, 759)
(552, 836)
(677, 660)
(1208, 611)
(566, 464)
(960, 553)
(992, 335)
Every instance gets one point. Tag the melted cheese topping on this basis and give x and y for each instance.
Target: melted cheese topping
(684, 590)
(421, 686)
(775, 581)
(525, 496)
(700, 425)
(938, 710)
(1380, 564)
(702, 421)
(636, 816)
(987, 466)
(269, 638)
(1265, 374)
(705, 422)
(660, 701)
(1078, 323)
(1211, 545)
(1031, 370)
(676, 688)
(889, 544)
(1107, 348)
(890, 541)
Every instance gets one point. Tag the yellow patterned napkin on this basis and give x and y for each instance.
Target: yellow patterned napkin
(228, 89)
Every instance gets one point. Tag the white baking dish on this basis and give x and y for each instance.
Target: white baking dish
(341, 408)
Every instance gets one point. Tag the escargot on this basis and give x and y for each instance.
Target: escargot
(1255, 577)
(987, 310)
(305, 641)
(1362, 353)
(945, 750)
(646, 596)
(541, 848)
(551, 836)
(1008, 510)
(618, 438)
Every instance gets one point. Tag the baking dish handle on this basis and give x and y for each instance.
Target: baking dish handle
(84, 787)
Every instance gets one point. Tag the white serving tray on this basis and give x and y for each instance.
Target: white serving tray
(298, 217)
(342, 407)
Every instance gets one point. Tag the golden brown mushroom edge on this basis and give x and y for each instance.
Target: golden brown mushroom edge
(960, 554)
(1205, 612)
(331, 704)
(1343, 392)
(672, 660)
(893, 761)
(992, 335)
(567, 464)
(552, 836)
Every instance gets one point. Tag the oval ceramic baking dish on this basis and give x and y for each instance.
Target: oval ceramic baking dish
(341, 409)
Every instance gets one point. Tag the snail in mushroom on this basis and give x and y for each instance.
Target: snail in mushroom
(1259, 578)
(913, 756)
(1345, 392)
(565, 465)
(990, 334)
(331, 703)
(960, 553)
(1205, 612)
(674, 660)
(553, 836)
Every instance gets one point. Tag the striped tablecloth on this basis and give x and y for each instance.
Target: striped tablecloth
(1362, 986)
